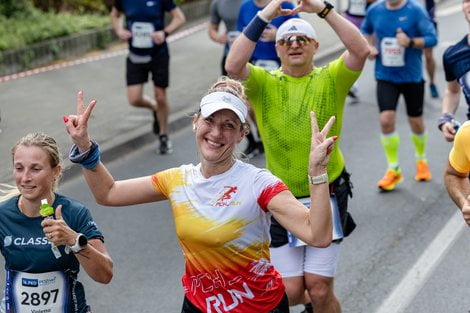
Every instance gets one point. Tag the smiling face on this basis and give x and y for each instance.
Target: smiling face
(217, 136)
(34, 176)
(296, 53)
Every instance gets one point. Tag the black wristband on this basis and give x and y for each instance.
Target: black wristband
(166, 34)
(326, 10)
(255, 28)
(411, 44)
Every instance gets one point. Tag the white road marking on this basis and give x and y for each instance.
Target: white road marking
(449, 11)
(404, 293)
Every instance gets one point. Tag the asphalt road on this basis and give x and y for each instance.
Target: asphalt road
(408, 254)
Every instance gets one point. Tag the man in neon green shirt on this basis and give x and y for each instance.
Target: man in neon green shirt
(281, 100)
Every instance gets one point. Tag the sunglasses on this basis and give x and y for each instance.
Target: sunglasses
(288, 41)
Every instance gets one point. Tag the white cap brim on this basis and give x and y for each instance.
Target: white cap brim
(296, 26)
(217, 101)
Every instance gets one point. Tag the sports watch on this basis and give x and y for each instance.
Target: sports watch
(328, 7)
(80, 243)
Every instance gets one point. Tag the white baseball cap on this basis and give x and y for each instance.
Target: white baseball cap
(296, 26)
(220, 100)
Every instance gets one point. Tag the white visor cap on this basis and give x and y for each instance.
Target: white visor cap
(296, 26)
(220, 100)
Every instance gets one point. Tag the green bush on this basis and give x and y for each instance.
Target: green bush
(25, 22)
(15, 8)
(74, 6)
(35, 26)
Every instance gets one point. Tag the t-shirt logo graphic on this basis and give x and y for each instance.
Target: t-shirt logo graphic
(224, 199)
(7, 241)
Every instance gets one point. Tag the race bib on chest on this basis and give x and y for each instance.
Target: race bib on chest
(357, 7)
(36, 293)
(268, 65)
(392, 54)
(141, 35)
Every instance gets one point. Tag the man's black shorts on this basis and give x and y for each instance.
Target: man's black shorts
(388, 94)
(137, 73)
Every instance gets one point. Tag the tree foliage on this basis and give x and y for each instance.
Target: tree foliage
(15, 8)
(24, 27)
(74, 6)
(24, 22)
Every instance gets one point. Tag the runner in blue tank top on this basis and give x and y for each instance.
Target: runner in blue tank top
(456, 60)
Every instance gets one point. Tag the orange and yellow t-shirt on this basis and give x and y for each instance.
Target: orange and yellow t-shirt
(222, 224)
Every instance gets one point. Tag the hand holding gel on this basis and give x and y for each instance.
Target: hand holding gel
(47, 212)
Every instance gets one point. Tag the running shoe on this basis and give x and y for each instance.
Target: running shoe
(156, 125)
(165, 145)
(308, 308)
(422, 171)
(390, 180)
(434, 91)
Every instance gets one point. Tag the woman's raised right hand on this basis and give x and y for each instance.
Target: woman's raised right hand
(321, 145)
(77, 125)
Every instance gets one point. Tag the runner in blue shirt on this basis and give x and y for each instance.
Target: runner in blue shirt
(265, 50)
(456, 60)
(397, 31)
(264, 55)
(43, 256)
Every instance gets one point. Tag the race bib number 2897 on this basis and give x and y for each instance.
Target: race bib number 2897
(44, 292)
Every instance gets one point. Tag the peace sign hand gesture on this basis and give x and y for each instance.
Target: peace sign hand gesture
(77, 125)
(321, 146)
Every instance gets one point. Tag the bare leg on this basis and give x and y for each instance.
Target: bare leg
(321, 292)
(416, 124)
(430, 64)
(387, 121)
(431, 68)
(163, 109)
(295, 290)
(136, 97)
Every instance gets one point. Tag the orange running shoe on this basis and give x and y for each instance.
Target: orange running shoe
(390, 180)
(422, 171)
